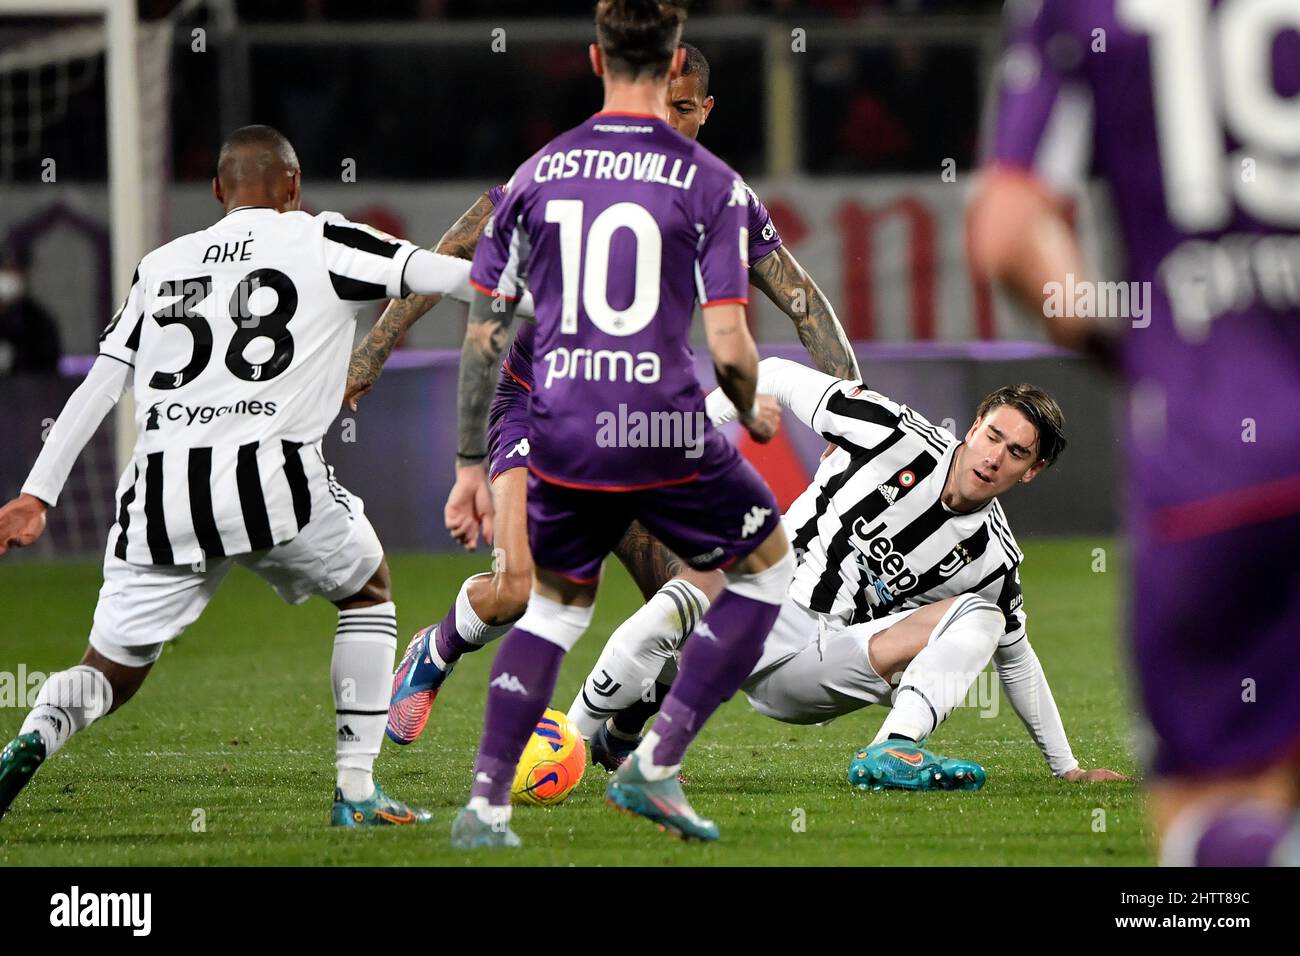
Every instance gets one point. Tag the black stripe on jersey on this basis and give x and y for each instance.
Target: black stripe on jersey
(841, 547)
(201, 514)
(360, 239)
(297, 482)
(251, 501)
(919, 429)
(921, 425)
(155, 520)
(921, 527)
(115, 359)
(357, 290)
(864, 410)
(859, 459)
(1010, 591)
(124, 515)
(133, 340)
(975, 545)
(999, 521)
(117, 316)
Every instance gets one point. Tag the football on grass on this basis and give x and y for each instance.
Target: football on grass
(552, 762)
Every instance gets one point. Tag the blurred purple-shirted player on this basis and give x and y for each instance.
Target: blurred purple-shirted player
(1195, 124)
(618, 227)
(487, 604)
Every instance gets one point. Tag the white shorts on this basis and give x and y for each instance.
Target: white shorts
(812, 672)
(141, 607)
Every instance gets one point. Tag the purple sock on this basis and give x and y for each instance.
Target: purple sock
(447, 640)
(1242, 836)
(712, 670)
(523, 679)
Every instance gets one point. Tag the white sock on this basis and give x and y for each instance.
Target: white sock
(646, 754)
(362, 673)
(69, 701)
(939, 677)
(469, 625)
(496, 817)
(637, 653)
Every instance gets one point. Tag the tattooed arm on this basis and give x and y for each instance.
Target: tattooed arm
(369, 357)
(792, 290)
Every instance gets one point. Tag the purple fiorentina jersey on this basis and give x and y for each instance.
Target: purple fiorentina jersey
(1193, 113)
(618, 227)
(763, 240)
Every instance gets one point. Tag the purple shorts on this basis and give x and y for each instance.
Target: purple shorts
(508, 427)
(1216, 639)
(710, 521)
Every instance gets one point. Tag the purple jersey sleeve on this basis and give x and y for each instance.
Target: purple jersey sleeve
(501, 256)
(1043, 108)
(722, 256)
(763, 237)
(497, 195)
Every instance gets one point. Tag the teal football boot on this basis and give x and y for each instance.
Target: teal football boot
(662, 802)
(18, 762)
(380, 810)
(469, 831)
(904, 765)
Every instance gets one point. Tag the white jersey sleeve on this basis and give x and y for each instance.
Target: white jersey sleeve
(121, 337)
(364, 264)
(1023, 678)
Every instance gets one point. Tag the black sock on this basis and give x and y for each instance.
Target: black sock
(631, 720)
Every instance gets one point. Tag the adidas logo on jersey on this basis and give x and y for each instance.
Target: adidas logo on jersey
(754, 521)
(889, 491)
(509, 682)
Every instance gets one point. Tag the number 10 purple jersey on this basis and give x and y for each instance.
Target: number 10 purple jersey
(619, 227)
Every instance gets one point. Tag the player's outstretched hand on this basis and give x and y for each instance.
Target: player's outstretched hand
(1099, 775)
(469, 507)
(764, 425)
(22, 521)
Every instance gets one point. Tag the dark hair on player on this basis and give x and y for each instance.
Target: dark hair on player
(639, 36)
(696, 65)
(1042, 410)
(255, 152)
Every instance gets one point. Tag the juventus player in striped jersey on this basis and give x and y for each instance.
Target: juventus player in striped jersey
(236, 339)
(907, 581)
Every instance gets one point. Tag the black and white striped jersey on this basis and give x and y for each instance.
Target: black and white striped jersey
(871, 533)
(239, 337)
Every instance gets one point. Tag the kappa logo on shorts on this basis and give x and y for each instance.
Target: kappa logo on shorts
(520, 449)
(754, 521)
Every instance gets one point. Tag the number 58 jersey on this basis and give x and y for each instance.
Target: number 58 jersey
(239, 337)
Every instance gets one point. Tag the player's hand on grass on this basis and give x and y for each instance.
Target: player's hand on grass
(1099, 775)
(22, 521)
(469, 507)
(766, 421)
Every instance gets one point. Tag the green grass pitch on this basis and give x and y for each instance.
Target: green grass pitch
(234, 731)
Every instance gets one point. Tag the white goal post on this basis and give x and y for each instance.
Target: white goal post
(125, 154)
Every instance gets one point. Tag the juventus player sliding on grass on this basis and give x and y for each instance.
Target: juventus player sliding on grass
(617, 251)
(487, 604)
(236, 340)
(1212, 366)
(906, 584)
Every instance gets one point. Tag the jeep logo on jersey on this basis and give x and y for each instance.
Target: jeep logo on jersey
(883, 566)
